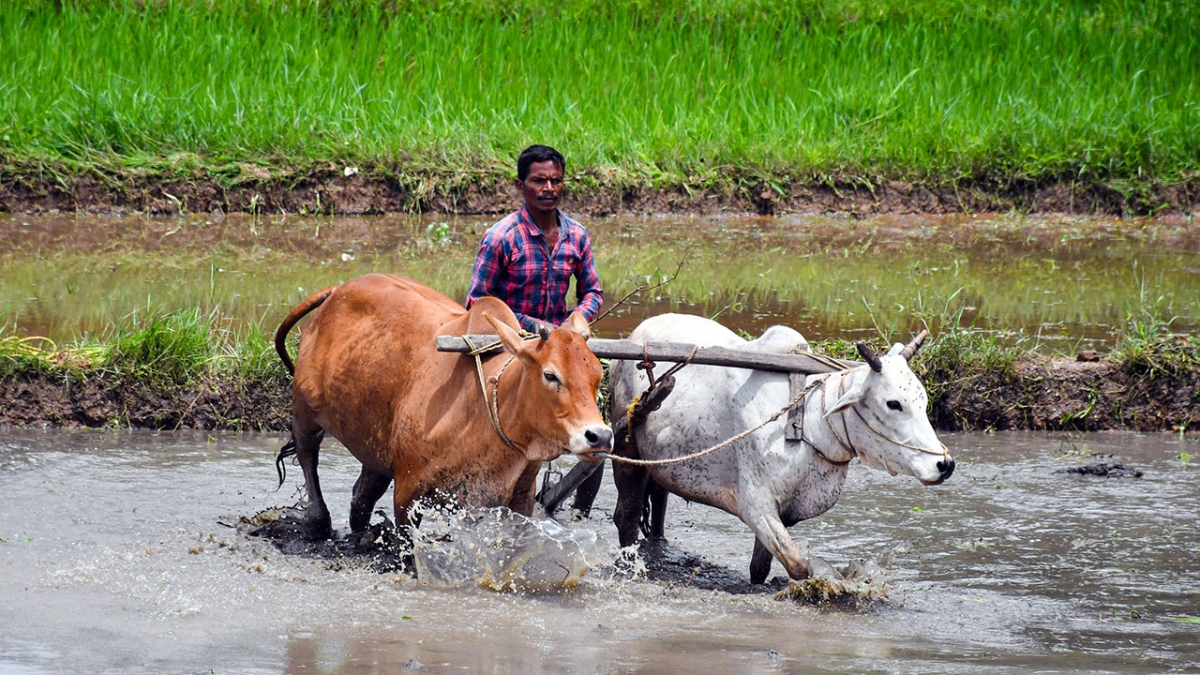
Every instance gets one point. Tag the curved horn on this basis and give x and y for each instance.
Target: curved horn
(913, 346)
(543, 332)
(869, 356)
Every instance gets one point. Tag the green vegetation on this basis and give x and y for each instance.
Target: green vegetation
(1043, 284)
(158, 348)
(676, 93)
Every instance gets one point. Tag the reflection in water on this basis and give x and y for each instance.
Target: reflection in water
(1060, 283)
(115, 559)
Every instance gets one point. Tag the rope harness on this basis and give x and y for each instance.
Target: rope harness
(492, 404)
(798, 398)
(647, 365)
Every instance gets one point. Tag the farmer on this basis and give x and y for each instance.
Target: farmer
(528, 258)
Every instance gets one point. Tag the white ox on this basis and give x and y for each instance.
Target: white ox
(874, 412)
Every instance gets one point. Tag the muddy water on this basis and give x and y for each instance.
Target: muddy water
(1059, 283)
(113, 557)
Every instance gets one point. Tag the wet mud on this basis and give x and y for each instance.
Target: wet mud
(382, 549)
(379, 548)
(120, 556)
(328, 191)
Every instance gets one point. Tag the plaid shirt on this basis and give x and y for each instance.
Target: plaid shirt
(513, 265)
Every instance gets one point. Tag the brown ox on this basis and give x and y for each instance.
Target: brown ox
(369, 373)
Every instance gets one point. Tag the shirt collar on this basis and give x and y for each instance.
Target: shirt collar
(525, 218)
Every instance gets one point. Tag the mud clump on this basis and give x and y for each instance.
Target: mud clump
(1104, 470)
(380, 547)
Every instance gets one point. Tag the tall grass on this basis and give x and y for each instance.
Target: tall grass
(678, 91)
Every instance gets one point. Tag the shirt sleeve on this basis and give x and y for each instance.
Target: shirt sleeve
(485, 277)
(587, 286)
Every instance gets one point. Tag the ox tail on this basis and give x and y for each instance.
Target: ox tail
(314, 301)
(289, 450)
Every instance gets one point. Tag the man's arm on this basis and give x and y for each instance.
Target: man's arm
(587, 285)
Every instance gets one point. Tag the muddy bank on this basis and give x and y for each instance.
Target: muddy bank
(328, 190)
(1039, 394)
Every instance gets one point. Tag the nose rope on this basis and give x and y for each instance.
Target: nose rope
(945, 451)
(492, 406)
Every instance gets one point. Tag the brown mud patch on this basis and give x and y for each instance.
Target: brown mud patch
(1040, 393)
(327, 190)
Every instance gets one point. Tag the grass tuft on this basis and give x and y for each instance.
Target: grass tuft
(173, 347)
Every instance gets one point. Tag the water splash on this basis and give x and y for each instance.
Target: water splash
(501, 550)
(857, 584)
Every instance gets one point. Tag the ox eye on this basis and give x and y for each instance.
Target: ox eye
(551, 377)
(895, 405)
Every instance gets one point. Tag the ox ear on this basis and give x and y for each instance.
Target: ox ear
(577, 323)
(513, 344)
(854, 395)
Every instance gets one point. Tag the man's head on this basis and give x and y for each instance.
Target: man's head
(538, 153)
(540, 179)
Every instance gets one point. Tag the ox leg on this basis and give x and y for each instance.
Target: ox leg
(369, 487)
(317, 525)
(585, 494)
(403, 493)
(773, 536)
(760, 563)
(524, 493)
(658, 511)
(632, 482)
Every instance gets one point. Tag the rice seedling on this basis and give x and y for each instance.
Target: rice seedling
(680, 93)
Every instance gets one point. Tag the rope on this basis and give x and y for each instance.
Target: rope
(845, 443)
(492, 405)
(889, 439)
(708, 451)
(850, 448)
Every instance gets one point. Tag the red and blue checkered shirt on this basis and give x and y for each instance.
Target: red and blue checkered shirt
(513, 265)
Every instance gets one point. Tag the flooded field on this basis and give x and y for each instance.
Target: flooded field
(117, 556)
(1059, 284)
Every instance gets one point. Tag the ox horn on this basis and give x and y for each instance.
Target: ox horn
(869, 356)
(543, 332)
(912, 347)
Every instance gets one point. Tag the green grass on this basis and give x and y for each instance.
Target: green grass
(678, 92)
(155, 346)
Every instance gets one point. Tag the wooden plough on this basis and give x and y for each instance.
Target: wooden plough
(797, 365)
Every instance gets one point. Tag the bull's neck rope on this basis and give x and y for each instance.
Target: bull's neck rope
(832, 427)
(492, 405)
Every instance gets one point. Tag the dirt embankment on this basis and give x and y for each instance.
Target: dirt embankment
(330, 191)
(1050, 394)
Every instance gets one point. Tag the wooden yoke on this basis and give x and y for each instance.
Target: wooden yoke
(807, 362)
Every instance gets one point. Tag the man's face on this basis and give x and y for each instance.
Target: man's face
(543, 187)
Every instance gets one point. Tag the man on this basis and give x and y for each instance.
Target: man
(528, 258)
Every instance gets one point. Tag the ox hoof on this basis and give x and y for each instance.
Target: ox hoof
(317, 526)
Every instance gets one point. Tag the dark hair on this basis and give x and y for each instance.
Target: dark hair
(538, 153)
